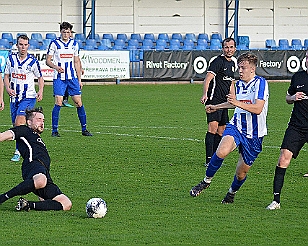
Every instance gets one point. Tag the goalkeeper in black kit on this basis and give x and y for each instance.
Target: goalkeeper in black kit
(35, 167)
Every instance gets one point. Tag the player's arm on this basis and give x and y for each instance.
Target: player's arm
(254, 108)
(7, 135)
(290, 99)
(1, 93)
(50, 64)
(208, 78)
(77, 64)
(6, 81)
(41, 89)
(212, 108)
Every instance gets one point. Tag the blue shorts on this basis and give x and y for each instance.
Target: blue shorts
(19, 108)
(249, 148)
(72, 86)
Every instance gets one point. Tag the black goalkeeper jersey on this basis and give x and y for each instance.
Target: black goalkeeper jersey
(31, 146)
(299, 116)
(219, 87)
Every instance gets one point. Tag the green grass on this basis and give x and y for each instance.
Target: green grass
(146, 153)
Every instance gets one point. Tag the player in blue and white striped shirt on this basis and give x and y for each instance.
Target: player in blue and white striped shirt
(63, 57)
(20, 71)
(245, 130)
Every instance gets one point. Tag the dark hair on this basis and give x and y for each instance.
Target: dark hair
(248, 56)
(228, 40)
(22, 36)
(30, 113)
(65, 26)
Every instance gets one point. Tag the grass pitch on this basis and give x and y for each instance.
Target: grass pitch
(146, 153)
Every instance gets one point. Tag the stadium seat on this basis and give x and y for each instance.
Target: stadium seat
(174, 47)
(108, 36)
(5, 43)
(102, 47)
(46, 41)
(204, 36)
(214, 43)
(270, 44)
(133, 42)
(305, 44)
(8, 36)
(122, 36)
(177, 36)
(243, 40)
(2, 47)
(38, 36)
(161, 43)
(191, 36)
(174, 43)
(81, 44)
(50, 35)
(283, 44)
(89, 47)
(34, 43)
(147, 43)
(136, 36)
(163, 36)
(202, 44)
(91, 42)
(105, 42)
(188, 44)
(80, 36)
(296, 44)
(21, 33)
(216, 36)
(241, 47)
(149, 36)
(119, 44)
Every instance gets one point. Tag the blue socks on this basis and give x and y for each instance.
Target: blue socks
(236, 184)
(82, 117)
(214, 165)
(55, 117)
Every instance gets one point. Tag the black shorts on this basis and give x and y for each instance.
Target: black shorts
(294, 139)
(221, 116)
(51, 190)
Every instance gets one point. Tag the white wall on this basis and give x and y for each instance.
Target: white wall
(259, 20)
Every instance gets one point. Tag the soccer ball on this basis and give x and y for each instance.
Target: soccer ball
(96, 208)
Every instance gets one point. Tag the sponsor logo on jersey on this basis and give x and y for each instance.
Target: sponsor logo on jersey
(19, 76)
(66, 55)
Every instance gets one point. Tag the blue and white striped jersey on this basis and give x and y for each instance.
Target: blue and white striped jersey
(22, 75)
(63, 56)
(249, 124)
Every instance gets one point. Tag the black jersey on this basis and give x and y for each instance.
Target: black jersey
(31, 146)
(219, 87)
(299, 116)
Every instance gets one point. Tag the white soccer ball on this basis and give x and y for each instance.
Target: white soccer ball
(96, 208)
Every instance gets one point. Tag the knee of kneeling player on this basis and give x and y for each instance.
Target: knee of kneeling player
(67, 205)
(40, 181)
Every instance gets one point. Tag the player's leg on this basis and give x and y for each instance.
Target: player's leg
(65, 100)
(292, 143)
(59, 88)
(75, 92)
(210, 140)
(226, 146)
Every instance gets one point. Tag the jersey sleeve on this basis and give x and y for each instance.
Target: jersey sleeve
(19, 131)
(215, 66)
(37, 69)
(262, 90)
(7, 66)
(292, 90)
(52, 48)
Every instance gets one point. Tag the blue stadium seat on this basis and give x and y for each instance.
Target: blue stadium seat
(92, 42)
(202, 44)
(163, 36)
(50, 35)
(204, 36)
(46, 41)
(296, 44)
(133, 42)
(81, 44)
(188, 44)
(149, 36)
(119, 44)
(136, 36)
(214, 42)
(161, 43)
(216, 36)
(8, 36)
(80, 36)
(105, 42)
(177, 36)
(241, 47)
(38, 36)
(305, 44)
(5, 43)
(147, 43)
(108, 36)
(34, 43)
(21, 33)
(88, 47)
(174, 47)
(174, 43)
(122, 36)
(243, 40)
(283, 44)
(270, 44)
(191, 36)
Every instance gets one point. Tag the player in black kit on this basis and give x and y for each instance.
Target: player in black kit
(296, 134)
(35, 167)
(218, 83)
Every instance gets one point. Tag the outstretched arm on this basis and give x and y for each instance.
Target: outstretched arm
(296, 97)
(7, 135)
(1, 93)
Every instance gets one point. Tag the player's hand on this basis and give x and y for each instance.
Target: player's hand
(203, 99)
(300, 96)
(210, 108)
(39, 96)
(60, 69)
(1, 106)
(231, 99)
(11, 92)
(81, 85)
